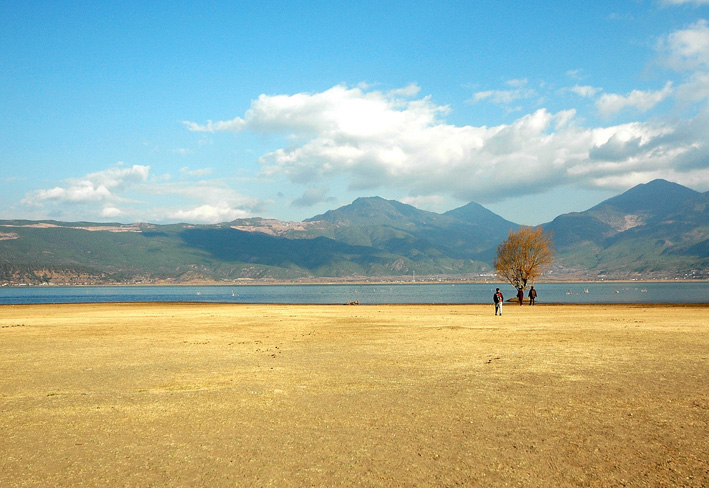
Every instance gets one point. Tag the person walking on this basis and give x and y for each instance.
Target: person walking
(520, 295)
(497, 299)
(532, 295)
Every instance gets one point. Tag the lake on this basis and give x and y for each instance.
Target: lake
(427, 293)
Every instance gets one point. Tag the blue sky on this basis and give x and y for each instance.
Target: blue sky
(205, 112)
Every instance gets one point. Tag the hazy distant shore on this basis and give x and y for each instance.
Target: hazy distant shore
(330, 281)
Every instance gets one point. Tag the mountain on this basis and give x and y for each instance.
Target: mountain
(462, 233)
(655, 229)
(56, 252)
(376, 211)
(653, 200)
(401, 241)
(477, 215)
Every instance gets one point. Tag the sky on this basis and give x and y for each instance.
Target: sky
(205, 112)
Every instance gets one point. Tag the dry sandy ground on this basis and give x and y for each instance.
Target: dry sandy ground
(255, 395)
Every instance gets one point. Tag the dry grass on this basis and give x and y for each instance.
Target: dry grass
(257, 395)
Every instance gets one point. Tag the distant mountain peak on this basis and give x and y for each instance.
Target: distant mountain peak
(370, 199)
(375, 211)
(650, 221)
(477, 214)
(656, 198)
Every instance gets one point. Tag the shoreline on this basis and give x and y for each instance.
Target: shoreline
(341, 283)
(513, 304)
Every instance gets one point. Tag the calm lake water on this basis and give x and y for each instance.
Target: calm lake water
(632, 292)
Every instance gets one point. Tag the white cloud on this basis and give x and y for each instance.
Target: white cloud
(205, 201)
(621, 146)
(373, 139)
(408, 91)
(576, 74)
(686, 49)
(234, 125)
(518, 91)
(209, 214)
(200, 200)
(642, 101)
(338, 110)
(585, 91)
(517, 83)
(81, 191)
(94, 187)
(111, 212)
(695, 89)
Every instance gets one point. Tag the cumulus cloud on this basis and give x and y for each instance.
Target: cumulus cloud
(642, 101)
(400, 140)
(621, 146)
(94, 187)
(686, 49)
(203, 201)
(686, 52)
(209, 214)
(339, 109)
(695, 89)
(121, 191)
(111, 212)
(375, 139)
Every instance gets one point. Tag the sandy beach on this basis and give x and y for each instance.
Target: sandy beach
(401, 395)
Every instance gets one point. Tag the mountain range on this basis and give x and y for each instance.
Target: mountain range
(656, 230)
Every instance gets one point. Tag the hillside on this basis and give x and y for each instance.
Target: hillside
(659, 229)
(656, 230)
(463, 233)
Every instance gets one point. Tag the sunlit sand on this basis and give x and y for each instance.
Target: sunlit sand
(399, 395)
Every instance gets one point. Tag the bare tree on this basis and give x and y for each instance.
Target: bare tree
(523, 256)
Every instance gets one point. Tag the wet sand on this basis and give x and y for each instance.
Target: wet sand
(395, 395)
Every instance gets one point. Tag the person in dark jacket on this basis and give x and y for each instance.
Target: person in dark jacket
(520, 295)
(497, 299)
(532, 295)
